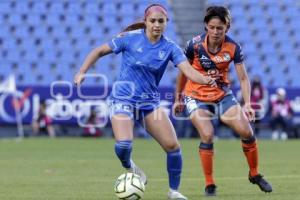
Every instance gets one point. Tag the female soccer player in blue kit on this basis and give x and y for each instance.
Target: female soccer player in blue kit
(145, 54)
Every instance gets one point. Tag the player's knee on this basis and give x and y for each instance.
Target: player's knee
(246, 133)
(172, 146)
(207, 137)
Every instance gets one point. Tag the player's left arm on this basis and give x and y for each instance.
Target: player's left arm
(245, 89)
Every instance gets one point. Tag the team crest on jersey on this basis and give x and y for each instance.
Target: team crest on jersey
(161, 54)
(226, 57)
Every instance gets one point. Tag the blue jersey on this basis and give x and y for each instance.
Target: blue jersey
(143, 65)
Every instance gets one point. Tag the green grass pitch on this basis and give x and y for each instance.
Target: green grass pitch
(85, 169)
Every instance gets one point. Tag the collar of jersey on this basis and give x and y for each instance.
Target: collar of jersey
(156, 44)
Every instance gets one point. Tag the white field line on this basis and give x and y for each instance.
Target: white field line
(218, 178)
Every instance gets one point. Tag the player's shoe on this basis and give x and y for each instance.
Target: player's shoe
(136, 170)
(261, 182)
(210, 190)
(175, 195)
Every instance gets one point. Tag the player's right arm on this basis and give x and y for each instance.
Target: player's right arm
(92, 57)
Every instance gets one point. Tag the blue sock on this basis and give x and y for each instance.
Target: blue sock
(123, 151)
(174, 166)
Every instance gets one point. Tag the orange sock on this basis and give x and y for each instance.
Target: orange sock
(206, 157)
(251, 153)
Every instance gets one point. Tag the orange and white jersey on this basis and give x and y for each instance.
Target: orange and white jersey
(214, 65)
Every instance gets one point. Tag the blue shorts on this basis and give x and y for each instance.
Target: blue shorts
(135, 112)
(217, 108)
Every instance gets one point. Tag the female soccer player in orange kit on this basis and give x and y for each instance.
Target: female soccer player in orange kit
(211, 54)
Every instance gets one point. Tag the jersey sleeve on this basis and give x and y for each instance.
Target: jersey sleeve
(189, 50)
(177, 55)
(238, 55)
(118, 44)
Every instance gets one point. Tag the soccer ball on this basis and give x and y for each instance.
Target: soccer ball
(129, 186)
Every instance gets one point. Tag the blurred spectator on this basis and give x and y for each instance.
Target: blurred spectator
(259, 101)
(295, 104)
(281, 115)
(91, 128)
(42, 123)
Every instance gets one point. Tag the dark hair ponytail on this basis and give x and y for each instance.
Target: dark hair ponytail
(135, 26)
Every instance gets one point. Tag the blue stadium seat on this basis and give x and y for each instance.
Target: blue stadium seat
(59, 31)
(244, 36)
(5, 67)
(28, 43)
(21, 7)
(241, 23)
(109, 9)
(50, 55)
(237, 11)
(272, 61)
(22, 31)
(57, 7)
(274, 11)
(258, 23)
(249, 48)
(72, 19)
(268, 49)
(74, 7)
(40, 31)
(31, 55)
(263, 35)
(126, 20)
(40, 7)
(77, 32)
(91, 8)
(219, 2)
(282, 35)
(53, 20)
(91, 20)
(292, 11)
(126, 9)
(15, 19)
(256, 11)
(33, 19)
(278, 23)
(4, 7)
(110, 21)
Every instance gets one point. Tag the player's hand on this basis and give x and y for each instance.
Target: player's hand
(211, 81)
(178, 106)
(249, 112)
(79, 78)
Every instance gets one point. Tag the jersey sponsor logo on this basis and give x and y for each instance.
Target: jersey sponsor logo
(205, 62)
(203, 57)
(223, 58)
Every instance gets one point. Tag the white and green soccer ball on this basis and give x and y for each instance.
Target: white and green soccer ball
(129, 186)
